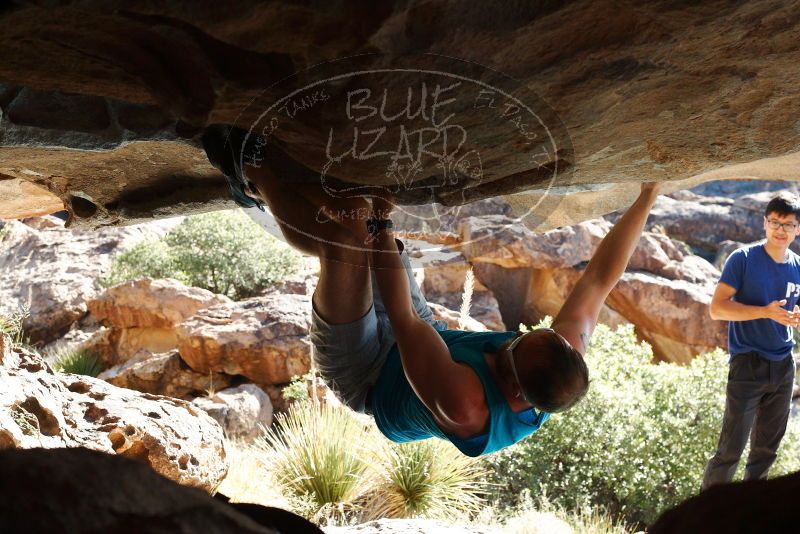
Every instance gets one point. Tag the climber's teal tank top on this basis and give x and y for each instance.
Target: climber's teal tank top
(402, 417)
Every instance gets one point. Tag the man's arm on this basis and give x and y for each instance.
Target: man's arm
(445, 387)
(723, 308)
(578, 317)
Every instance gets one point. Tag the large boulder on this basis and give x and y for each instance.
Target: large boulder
(243, 412)
(705, 222)
(150, 303)
(729, 508)
(671, 315)
(499, 240)
(142, 315)
(114, 346)
(47, 272)
(264, 338)
(665, 294)
(162, 374)
(40, 408)
(84, 491)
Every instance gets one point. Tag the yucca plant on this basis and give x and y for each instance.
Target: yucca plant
(316, 455)
(78, 362)
(429, 478)
(11, 327)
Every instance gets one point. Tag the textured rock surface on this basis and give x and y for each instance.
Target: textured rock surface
(84, 491)
(264, 339)
(443, 275)
(453, 319)
(496, 239)
(21, 198)
(411, 526)
(243, 412)
(665, 294)
(151, 303)
(162, 374)
(680, 329)
(705, 222)
(40, 408)
(118, 345)
(53, 272)
(671, 315)
(634, 109)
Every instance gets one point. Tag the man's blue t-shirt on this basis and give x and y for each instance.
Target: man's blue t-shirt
(759, 280)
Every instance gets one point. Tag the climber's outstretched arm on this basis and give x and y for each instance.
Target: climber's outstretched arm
(578, 317)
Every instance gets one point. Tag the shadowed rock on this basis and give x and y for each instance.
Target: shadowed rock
(84, 491)
(752, 506)
(608, 99)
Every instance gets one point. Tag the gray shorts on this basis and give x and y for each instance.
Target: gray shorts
(350, 356)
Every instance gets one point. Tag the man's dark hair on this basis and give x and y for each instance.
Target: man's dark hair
(783, 204)
(559, 378)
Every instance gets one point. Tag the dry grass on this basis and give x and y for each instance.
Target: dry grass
(248, 479)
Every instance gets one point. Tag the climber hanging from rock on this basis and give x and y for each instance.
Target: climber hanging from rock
(375, 342)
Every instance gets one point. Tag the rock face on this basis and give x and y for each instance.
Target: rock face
(623, 107)
(728, 508)
(242, 412)
(443, 276)
(410, 526)
(264, 339)
(151, 303)
(40, 408)
(47, 271)
(162, 374)
(665, 294)
(142, 315)
(84, 491)
(454, 320)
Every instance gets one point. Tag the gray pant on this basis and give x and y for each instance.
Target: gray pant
(350, 356)
(759, 391)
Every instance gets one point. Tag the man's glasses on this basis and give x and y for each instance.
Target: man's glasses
(787, 227)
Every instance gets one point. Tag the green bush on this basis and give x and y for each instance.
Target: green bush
(147, 259)
(224, 252)
(78, 363)
(639, 441)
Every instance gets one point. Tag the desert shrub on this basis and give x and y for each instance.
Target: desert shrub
(147, 259)
(78, 362)
(224, 252)
(12, 327)
(297, 389)
(428, 478)
(639, 441)
(332, 465)
(318, 457)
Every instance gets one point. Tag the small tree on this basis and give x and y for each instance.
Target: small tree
(224, 252)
